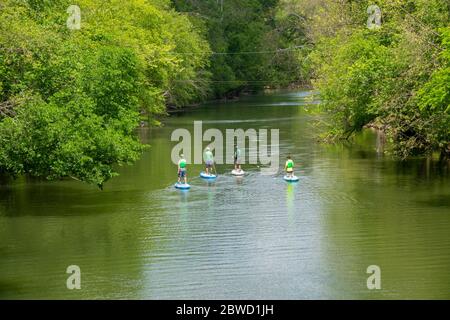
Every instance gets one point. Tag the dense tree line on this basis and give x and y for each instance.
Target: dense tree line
(395, 76)
(71, 99)
(256, 43)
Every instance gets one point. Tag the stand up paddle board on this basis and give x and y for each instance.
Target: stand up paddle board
(182, 186)
(237, 172)
(204, 175)
(291, 179)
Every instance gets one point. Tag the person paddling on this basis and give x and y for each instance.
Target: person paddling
(289, 167)
(209, 160)
(182, 170)
(237, 159)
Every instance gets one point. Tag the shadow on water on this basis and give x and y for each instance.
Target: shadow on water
(439, 201)
(9, 288)
(426, 169)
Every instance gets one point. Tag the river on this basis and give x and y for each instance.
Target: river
(256, 237)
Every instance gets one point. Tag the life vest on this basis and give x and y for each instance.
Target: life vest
(290, 164)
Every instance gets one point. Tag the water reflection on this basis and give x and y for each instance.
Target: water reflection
(290, 202)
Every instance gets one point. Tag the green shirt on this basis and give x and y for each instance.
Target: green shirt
(290, 164)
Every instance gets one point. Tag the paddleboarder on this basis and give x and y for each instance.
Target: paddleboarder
(208, 157)
(182, 170)
(289, 167)
(237, 159)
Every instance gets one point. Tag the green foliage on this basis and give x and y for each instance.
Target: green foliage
(48, 140)
(396, 77)
(70, 100)
(434, 100)
(352, 79)
(435, 94)
(250, 32)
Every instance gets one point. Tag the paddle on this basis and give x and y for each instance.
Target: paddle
(214, 166)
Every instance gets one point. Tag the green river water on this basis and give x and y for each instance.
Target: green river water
(256, 237)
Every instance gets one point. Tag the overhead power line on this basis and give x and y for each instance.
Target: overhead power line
(242, 52)
(238, 81)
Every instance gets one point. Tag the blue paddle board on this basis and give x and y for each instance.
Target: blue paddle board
(182, 186)
(291, 179)
(207, 176)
